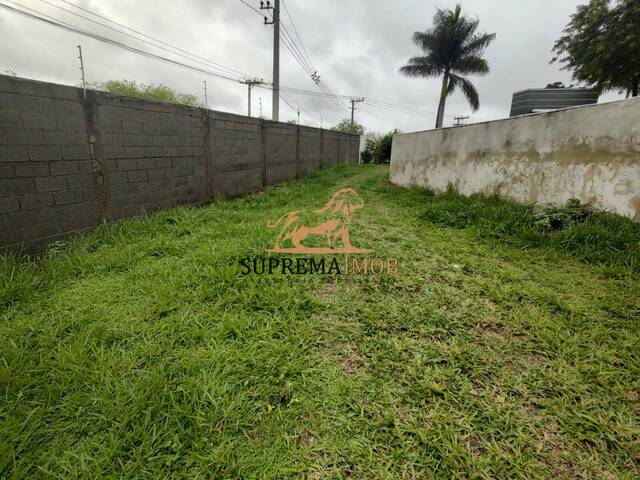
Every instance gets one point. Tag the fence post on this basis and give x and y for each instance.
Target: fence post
(90, 109)
(263, 143)
(321, 147)
(298, 151)
(208, 184)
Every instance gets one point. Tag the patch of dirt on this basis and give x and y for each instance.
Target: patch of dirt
(351, 366)
(314, 475)
(474, 445)
(491, 333)
(521, 365)
(327, 289)
(306, 439)
(552, 443)
(536, 360)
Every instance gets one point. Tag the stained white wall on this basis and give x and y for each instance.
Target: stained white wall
(591, 153)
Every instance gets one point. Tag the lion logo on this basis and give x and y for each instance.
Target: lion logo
(328, 223)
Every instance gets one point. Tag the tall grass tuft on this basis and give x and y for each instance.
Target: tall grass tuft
(574, 228)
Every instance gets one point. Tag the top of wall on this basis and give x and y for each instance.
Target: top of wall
(37, 88)
(525, 117)
(558, 90)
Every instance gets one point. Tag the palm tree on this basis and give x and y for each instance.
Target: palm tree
(452, 49)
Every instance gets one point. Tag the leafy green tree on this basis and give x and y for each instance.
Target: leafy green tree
(452, 48)
(370, 144)
(160, 93)
(601, 45)
(344, 126)
(378, 148)
(382, 150)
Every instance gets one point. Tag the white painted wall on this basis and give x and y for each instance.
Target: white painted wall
(591, 153)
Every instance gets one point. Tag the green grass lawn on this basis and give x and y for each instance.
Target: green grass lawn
(140, 351)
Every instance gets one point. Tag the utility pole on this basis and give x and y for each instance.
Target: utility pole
(250, 83)
(353, 105)
(206, 100)
(84, 83)
(260, 98)
(320, 120)
(459, 120)
(298, 116)
(275, 101)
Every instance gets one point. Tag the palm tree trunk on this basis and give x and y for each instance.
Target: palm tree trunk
(443, 98)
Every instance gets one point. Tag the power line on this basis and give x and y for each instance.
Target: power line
(295, 51)
(370, 101)
(308, 67)
(325, 92)
(311, 68)
(312, 93)
(61, 24)
(291, 45)
(387, 104)
(52, 21)
(379, 104)
(294, 91)
(252, 8)
(396, 110)
(297, 35)
(178, 49)
(284, 35)
(42, 17)
(248, 82)
(313, 120)
(57, 23)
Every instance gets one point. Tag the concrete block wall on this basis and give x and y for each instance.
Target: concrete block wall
(235, 161)
(281, 156)
(69, 161)
(310, 149)
(330, 148)
(151, 155)
(46, 175)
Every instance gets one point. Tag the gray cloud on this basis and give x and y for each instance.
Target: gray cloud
(356, 45)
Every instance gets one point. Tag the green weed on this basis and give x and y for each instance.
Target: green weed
(141, 351)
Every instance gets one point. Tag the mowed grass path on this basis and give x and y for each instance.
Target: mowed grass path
(140, 351)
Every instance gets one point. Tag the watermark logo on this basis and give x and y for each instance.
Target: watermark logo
(330, 224)
(322, 231)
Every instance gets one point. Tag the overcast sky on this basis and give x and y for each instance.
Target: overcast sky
(357, 47)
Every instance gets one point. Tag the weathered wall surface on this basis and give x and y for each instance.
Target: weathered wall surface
(68, 161)
(591, 153)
